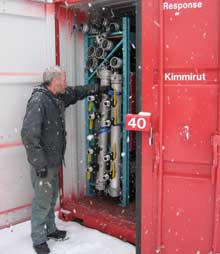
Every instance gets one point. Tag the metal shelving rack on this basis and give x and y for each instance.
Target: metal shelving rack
(124, 44)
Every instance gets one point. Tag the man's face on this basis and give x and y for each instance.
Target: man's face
(60, 83)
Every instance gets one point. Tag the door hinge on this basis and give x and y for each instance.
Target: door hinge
(215, 140)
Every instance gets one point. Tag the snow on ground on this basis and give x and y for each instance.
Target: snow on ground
(82, 240)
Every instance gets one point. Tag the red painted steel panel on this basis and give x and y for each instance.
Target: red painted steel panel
(102, 214)
(187, 215)
(180, 87)
(191, 35)
(190, 114)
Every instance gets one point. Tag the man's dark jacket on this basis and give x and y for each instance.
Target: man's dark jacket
(43, 132)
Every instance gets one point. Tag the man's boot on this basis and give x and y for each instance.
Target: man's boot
(42, 248)
(57, 235)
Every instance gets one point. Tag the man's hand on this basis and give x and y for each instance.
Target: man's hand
(104, 89)
(42, 173)
(97, 89)
(94, 88)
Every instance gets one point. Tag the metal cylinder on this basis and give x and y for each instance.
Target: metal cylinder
(99, 38)
(107, 45)
(106, 177)
(91, 51)
(94, 28)
(75, 28)
(105, 22)
(92, 116)
(90, 151)
(83, 28)
(114, 188)
(91, 98)
(116, 62)
(91, 137)
(113, 27)
(103, 139)
(103, 143)
(90, 169)
(104, 110)
(107, 157)
(105, 76)
(116, 81)
(107, 103)
(100, 53)
(92, 63)
(108, 123)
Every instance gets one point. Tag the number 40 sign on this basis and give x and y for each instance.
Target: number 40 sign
(138, 122)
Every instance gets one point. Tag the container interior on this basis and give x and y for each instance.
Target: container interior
(103, 51)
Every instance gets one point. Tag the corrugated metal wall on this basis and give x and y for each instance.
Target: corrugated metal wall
(72, 60)
(27, 35)
(27, 31)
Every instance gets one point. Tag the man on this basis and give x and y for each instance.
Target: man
(44, 137)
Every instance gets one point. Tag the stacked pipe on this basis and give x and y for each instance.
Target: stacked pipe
(110, 109)
(114, 188)
(103, 134)
(93, 150)
(95, 28)
(104, 153)
(98, 52)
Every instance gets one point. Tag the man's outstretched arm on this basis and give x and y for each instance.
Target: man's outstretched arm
(73, 94)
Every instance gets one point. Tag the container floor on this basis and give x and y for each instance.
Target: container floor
(102, 214)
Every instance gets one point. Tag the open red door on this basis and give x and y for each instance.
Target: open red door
(180, 87)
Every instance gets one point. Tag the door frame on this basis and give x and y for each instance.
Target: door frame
(138, 134)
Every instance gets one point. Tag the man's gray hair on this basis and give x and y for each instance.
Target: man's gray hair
(52, 73)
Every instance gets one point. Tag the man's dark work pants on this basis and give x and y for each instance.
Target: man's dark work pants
(43, 204)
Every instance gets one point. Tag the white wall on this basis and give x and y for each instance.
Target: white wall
(27, 39)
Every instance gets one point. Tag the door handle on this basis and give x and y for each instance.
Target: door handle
(157, 152)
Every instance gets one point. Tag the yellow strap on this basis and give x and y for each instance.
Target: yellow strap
(115, 98)
(88, 175)
(113, 170)
(115, 116)
(90, 124)
(89, 158)
(114, 151)
(90, 106)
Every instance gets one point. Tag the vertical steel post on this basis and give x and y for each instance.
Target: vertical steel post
(126, 92)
